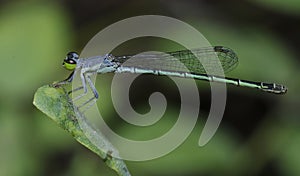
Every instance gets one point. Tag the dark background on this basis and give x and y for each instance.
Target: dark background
(259, 133)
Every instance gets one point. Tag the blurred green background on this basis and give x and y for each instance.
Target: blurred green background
(259, 134)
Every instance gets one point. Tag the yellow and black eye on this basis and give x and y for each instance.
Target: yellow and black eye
(71, 60)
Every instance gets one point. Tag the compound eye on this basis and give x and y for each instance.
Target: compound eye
(72, 57)
(71, 60)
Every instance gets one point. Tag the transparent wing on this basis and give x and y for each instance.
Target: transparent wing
(188, 60)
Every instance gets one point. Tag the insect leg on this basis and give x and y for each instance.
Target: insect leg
(90, 102)
(83, 82)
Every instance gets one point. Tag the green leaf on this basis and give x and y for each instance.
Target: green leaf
(55, 103)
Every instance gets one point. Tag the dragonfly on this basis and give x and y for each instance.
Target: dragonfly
(183, 63)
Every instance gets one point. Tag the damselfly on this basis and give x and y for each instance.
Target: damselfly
(161, 64)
